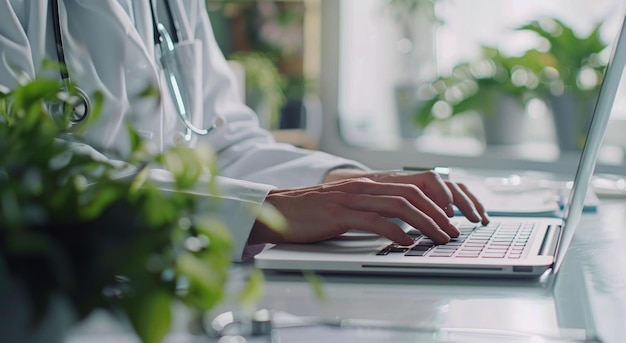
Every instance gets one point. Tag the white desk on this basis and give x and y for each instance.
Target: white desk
(586, 301)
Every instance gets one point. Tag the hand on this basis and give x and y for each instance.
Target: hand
(444, 193)
(324, 211)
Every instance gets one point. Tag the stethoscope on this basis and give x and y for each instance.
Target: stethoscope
(78, 105)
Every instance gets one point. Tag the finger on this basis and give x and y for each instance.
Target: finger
(464, 203)
(350, 219)
(436, 226)
(418, 200)
(436, 189)
(479, 206)
(432, 185)
(435, 213)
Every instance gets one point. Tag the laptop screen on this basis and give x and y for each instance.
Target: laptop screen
(600, 118)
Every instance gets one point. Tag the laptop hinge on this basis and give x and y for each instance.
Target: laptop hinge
(550, 241)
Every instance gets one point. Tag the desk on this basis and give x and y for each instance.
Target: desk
(586, 301)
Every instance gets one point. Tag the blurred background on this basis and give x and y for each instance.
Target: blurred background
(501, 84)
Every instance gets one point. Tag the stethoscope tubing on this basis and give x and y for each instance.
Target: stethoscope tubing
(79, 103)
(167, 43)
(58, 39)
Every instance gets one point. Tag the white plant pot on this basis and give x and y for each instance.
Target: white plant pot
(572, 117)
(507, 125)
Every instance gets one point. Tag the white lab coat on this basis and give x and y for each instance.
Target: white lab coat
(109, 47)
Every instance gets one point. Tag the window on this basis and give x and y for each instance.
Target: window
(376, 61)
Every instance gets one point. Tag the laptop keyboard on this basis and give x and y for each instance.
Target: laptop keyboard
(495, 240)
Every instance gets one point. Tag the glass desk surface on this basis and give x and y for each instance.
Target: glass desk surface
(585, 302)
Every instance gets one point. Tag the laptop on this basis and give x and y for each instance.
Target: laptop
(510, 246)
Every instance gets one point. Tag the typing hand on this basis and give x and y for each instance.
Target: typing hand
(324, 211)
(442, 192)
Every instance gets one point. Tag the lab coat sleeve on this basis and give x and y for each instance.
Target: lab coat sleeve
(236, 203)
(245, 150)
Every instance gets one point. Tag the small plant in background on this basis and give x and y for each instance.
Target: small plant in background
(264, 86)
(570, 76)
(570, 81)
(569, 63)
(563, 70)
(72, 227)
(476, 86)
(267, 38)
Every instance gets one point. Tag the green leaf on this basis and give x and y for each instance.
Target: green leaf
(94, 206)
(253, 290)
(32, 94)
(185, 164)
(150, 91)
(206, 282)
(218, 233)
(150, 314)
(135, 140)
(139, 180)
(29, 243)
(271, 217)
(317, 285)
(10, 209)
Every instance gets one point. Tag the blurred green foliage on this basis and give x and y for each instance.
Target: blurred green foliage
(569, 64)
(70, 226)
(267, 38)
(264, 83)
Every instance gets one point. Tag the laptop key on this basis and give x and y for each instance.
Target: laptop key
(419, 249)
(441, 253)
(493, 255)
(397, 248)
(415, 253)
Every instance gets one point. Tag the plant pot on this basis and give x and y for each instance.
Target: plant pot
(406, 101)
(507, 125)
(572, 117)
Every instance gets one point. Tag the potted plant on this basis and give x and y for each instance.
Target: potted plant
(495, 86)
(566, 75)
(414, 20)
(267, 38)
(570, 75)
(75, 236)
(264, 86)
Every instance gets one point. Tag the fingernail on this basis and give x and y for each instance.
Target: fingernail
(455, 232)
(408, 241)
(486, 218)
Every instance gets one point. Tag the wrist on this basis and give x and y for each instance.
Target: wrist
(266, 227)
